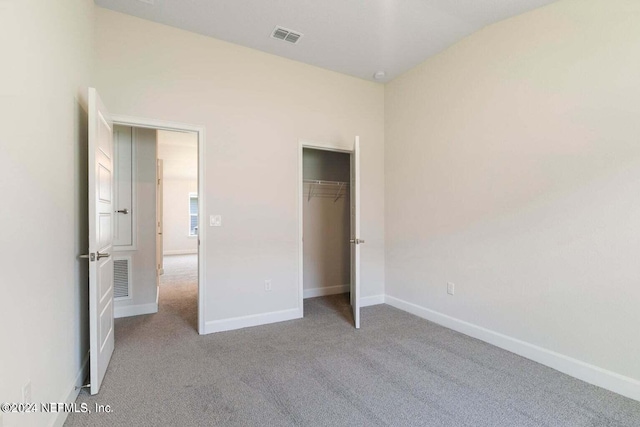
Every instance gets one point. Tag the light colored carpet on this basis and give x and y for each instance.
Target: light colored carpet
(180, 270)
(398, 370)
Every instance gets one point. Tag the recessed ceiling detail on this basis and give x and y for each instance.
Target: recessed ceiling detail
(286, 35)
(357, 38)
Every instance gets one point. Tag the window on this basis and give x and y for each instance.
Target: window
(193, 214)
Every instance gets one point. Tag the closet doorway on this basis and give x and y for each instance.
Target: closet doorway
(329, 223)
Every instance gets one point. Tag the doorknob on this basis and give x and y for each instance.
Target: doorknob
(356, 241)
(123, 211)
(105, 255)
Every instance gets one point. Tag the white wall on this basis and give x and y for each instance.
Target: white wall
(43, 219)
(176, 217)
(327, 255)
(179, 152)
(255, 108)
(144, 287)
(512, 166)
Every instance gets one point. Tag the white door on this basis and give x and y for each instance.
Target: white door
(160, 216)
(101, 212)
(355, 231)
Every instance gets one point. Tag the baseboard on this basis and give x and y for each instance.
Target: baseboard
(591, 374)
(253, 320)
(135, 310)
(72, 395)
(276, 316)
(180, 252)
(329, 290)
(372, 300)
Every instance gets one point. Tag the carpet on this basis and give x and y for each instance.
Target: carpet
(397, 370)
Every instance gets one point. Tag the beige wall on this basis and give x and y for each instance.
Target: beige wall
(179, 153)
(255, 108)
(512, 166)
(176, 217)
(46, 50)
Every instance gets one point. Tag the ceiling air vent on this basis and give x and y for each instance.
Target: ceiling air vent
(286, 35)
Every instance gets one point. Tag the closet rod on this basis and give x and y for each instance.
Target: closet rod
(320, 182)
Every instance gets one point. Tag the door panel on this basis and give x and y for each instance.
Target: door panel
(101, 211)
(106, 278)
(104, 189)
(106, 325)
(104, 231)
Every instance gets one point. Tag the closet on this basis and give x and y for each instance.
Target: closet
(326, 222)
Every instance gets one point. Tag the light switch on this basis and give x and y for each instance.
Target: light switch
(215, 220)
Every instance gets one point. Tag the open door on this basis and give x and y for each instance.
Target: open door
(355, 232)
(160, 217)
(101, 213)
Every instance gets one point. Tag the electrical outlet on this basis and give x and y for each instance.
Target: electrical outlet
(267, 285)
(26, 392)
(451, 288)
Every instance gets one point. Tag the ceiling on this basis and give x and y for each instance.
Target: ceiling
(355, 37)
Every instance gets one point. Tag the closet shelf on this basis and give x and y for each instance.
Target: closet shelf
(328, 189)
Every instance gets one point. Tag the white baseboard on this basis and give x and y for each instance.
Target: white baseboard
(609, 380)
(135, 310)
(276, 316)
(180, 252)
(332, 290)
(72, 394)
(329, 290)
(253, 320)
(372, 300)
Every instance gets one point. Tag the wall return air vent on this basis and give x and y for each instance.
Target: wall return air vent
(122, 278)
(286, 35)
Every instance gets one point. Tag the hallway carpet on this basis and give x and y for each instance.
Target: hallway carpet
(398, 370)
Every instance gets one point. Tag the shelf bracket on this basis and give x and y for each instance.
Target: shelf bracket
(310, 192)
(338, 193)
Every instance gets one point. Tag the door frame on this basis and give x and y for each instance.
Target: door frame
(339, 147)
(141, 122)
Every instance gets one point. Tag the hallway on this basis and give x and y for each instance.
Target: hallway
(179, 290)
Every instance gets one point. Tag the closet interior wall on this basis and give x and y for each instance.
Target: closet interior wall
(326, 222)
